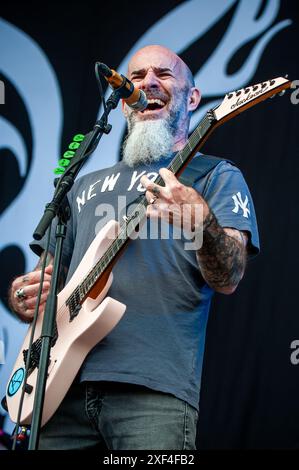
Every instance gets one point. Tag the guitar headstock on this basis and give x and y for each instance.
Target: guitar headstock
(237, 101)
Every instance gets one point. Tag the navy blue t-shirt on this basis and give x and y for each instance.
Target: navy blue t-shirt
(159, 342)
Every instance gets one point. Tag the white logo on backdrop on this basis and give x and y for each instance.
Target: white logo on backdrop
(27, 68)
(178, 30)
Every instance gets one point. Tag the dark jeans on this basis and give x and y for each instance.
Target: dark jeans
(107, 415)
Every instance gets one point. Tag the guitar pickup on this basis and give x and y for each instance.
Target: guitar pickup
(74, 310)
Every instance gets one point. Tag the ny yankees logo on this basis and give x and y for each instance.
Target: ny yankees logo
(237, 198)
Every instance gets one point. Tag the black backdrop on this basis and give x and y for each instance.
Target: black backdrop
(250, 387)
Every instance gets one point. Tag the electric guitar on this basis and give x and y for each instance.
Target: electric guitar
(85, 314)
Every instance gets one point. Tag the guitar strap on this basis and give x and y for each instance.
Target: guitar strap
(199, 167)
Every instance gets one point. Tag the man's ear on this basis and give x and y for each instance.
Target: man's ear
(194, 99)
(124, 108)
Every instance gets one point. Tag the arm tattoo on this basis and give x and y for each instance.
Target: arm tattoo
(222, 258)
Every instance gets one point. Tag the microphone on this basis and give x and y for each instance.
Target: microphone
(134, 97)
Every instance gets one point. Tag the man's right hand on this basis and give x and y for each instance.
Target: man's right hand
(29, 283)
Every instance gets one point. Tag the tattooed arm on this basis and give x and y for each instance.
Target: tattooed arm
(222, 257)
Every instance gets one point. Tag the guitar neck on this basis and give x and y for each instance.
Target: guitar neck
(194, 143)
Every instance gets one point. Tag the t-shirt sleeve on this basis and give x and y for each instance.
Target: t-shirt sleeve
(68, 244)
(228, 195)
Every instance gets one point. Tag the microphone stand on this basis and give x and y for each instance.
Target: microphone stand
(59, 206)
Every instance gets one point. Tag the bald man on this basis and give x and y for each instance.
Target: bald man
(139, 387)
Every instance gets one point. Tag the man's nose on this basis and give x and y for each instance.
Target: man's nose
(150, 80)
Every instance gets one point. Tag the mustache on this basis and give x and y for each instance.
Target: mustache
(151, 95)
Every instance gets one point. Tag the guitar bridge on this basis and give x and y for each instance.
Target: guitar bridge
(35, 353)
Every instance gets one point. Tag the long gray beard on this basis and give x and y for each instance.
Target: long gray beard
(147, 142)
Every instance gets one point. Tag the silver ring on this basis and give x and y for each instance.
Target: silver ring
(153, 200)
(20, 294)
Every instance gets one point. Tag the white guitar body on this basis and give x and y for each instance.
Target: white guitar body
(95, 320)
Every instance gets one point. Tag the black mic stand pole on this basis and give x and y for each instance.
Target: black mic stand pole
(65, 183)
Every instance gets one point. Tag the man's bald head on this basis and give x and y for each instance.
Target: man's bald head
(156, 52)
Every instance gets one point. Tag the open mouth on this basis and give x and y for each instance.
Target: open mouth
(154, 104)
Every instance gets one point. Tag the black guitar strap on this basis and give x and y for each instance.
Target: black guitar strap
(199, 167)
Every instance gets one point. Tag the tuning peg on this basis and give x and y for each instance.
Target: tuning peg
(282, 93)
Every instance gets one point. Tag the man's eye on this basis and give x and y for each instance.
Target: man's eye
(137, 78)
